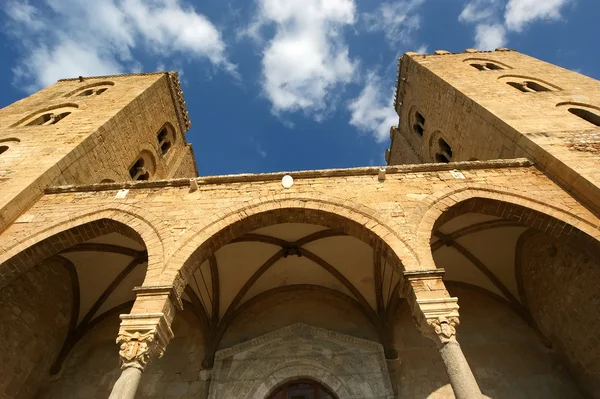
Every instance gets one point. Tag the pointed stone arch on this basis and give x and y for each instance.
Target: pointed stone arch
(353, 219)
(71, 230)
(501, 203)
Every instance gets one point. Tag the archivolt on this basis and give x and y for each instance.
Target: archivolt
(51, 240)
(442, 202)
(358, 220)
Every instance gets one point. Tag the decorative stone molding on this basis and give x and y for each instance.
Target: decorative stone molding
(137, 349)
(434, 311)
(142, 337)
(444, 327)
(180, 106)
(350, 367)
(437, 318)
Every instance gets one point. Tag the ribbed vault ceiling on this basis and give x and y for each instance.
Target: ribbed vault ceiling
(473, 248)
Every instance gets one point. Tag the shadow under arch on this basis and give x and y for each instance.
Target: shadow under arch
(353, 219)
(73, 230)
(311, 381)
(526, 211)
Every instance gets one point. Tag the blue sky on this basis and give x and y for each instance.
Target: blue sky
(277, 85)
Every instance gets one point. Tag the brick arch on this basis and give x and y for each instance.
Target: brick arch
(495, 202)
(73, 230)
(356, 220)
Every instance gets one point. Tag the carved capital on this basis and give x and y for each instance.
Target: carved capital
(142, 337)
(136, 349)
(444, 328)
(437, 318)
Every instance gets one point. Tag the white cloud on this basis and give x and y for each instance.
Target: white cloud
(307, 58)
(489, 36)
(396, 19)
(65, 38)
(480, 10)
(521, 12)
(494, 18)
(372, 111)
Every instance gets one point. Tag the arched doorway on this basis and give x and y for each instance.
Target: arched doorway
(301, 389)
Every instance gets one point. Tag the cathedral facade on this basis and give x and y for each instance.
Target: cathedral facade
(467, 267)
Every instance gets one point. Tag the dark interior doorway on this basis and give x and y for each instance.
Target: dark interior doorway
(302, 389)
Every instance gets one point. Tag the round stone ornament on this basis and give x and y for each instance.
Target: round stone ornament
(287, 181)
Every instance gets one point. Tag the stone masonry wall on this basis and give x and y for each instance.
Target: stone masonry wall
(187, 165)
(316, 308)
(403, 209)
(560, 285)
(35, 310)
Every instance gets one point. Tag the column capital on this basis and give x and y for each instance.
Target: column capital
(435, 312)
(437, 318)
(142, 337)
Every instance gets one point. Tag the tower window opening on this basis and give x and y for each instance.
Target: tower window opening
(528, 86)
(143, 176)
(444, 151)
(419, 125)
(479, 67)
(165, 147)
(87, 92)
(441, 158)
(138, 172)
(493, 67)
(588, 116)
(488, 66)
(445, 147)
(48, 118)
(163, 140)
(3, 149)
(162, 135)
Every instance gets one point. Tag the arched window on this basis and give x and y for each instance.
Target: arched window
(589, 116)
(528, 86)
(138, 172)
(94, 89)
(493, 67)
(5, 144)
(165, 138)
(49, 118)
(484, 64)
(444, 152)
(143, 168)
(302, 389)
(488, 66)
(418, 123)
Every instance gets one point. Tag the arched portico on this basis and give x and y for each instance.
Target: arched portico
(515, 248)
(291, 229)
(75, 229)
(97, 259)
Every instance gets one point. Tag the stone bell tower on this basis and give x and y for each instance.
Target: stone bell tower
(481, 105)
(91, 130)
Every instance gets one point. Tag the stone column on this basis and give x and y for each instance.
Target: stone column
(143, 337)
(436, 316)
